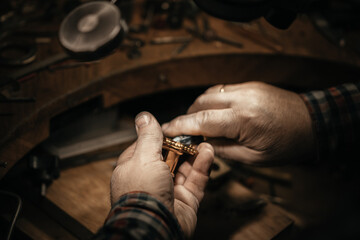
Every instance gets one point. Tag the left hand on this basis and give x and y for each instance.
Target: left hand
(141, 168)
(253, 123)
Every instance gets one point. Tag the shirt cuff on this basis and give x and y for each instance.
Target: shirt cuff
(336, 117)
(137, 215)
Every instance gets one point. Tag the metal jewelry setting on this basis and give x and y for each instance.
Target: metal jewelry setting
(173, 150)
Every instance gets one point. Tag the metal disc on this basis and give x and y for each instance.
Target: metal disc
(91, 30)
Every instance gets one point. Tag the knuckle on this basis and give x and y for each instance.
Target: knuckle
(203, 117)
(177, 123)
(200, 100)
(209, 153)
(210, 89)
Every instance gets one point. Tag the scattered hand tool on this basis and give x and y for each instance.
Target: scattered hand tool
(35, 67)
(208, 35)
(91, 31)
(171, 39)
(185, 40)
(145, 25)
(133, 45)
(178, 50)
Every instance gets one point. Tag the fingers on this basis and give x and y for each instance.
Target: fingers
(195, 177)
(201, 164)
(229, 149)
(210, 101)
(204, 159)
(150, 137)
(209, 123)
(223, 88)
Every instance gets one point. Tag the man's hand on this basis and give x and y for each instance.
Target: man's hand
(141, 168)
(254, 123)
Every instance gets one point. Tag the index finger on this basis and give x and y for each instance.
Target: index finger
(208, 123)
(210, 101)
(196, 176)
(204, 159)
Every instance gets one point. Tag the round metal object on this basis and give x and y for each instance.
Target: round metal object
(92, 30)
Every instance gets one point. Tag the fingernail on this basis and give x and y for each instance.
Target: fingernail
(142, 119)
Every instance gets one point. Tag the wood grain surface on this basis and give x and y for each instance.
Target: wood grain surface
(83, 193)
(298, 57)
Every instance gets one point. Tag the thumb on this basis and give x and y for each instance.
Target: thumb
(150, 137)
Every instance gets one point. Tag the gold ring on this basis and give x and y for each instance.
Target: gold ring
(222, 89)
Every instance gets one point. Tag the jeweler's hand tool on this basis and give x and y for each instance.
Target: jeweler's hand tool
(171, 39)
(208, 35)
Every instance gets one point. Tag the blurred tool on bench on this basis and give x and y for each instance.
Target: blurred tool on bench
(89, 32)
(207, 34)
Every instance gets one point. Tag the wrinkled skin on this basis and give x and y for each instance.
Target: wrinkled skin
(141, 168)
(254, 123)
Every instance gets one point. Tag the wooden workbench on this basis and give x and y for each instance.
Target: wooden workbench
(299, 58)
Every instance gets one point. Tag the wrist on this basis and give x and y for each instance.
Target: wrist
(315, 153)
(147, 209)
(336, 114)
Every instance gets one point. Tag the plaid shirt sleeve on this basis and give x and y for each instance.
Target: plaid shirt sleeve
(336, 116)
(137, 215)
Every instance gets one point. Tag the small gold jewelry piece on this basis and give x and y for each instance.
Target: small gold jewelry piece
(173, 151)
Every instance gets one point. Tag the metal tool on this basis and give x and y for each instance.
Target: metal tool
(61, 66)
(145, 25)
(333, 34)
(208, 35)
(35, 67)
(92, 30)
(185, 40)
(133, 45)
(89, 32)
(170, 39)
(44, 168)
(179, 50)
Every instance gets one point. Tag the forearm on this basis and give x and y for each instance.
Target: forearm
(336, 116)
(137, 215)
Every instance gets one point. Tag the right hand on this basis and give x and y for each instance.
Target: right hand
(141, 168)
(254, 123)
